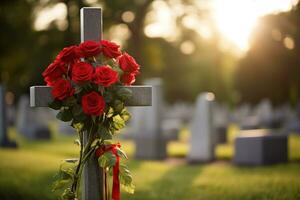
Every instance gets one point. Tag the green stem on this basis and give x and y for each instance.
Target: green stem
(76, 176)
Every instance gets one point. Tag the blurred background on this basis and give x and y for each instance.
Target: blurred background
(227, 65)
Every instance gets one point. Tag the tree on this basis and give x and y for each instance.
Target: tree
(270, 69)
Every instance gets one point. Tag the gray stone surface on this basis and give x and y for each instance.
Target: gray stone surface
(264, 113)
(259, 147)
(221, 121)
(40, 96)
(150, 142)
(4, 140)
(32, 123)
(203, 138)
(221, 134)
(65, 129)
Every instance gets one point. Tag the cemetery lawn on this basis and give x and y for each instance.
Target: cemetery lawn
(27, 173)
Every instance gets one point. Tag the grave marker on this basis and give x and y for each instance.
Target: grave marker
(150, 141)
(202, 141)
(4, 141)
(31, 122)
(40, 96)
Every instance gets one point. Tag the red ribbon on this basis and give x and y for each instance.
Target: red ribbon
(116, 182)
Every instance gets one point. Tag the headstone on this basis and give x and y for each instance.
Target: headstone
(202, 141)
(221, 122)
(265, 114)
(170, 128)
(246, 118)
(64, 128)
(259, 147)
(289, 118)
(150, 142)
(40, 96)
(32, 123)
(11, 115)
(172, 120)
(4, 140)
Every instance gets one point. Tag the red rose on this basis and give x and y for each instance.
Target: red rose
(110, 49)
(82, 72)
(93, 104)
(128, 79)
(68, 54)
(89, 48)
(54, 72)
(62, 89)
(105, 76)
(128, 64)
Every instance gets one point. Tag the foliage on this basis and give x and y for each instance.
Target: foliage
(156, 55)
(270, 69)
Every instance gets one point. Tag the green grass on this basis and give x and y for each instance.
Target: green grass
(27, 173)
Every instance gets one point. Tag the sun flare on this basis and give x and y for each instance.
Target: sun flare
(235, 19)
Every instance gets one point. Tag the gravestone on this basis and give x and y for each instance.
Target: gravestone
(202, 141)
(260, 147)
(40, 96)
(150, 142)
(172, 120)
(4, 140)
(64, 128)
(30, 122)
(290, 119)
(264, 113)
(221, 121)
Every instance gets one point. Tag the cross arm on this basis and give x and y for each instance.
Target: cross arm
(40, 96)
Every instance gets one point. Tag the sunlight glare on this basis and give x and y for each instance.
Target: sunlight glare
(160, 22)
(236, 19)
(57, 13)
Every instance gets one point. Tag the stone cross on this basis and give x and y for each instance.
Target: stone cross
(40, 96)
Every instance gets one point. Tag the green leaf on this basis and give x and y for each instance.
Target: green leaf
(108, 159)
(125, 115)
(78, 113)
(78, 89)
(124, 93)
(126, 179)
(56, 104)
(77, 110)
(118, 122)
(104, 133)
(77, 142)
(60, 184)
(110, 112)
(70, 101)
(64, 115)
(77, 126)
(121, 153)
(118, 106)
(68, 195)
(108, 96)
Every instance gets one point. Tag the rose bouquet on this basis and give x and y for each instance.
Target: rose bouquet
(88, 95)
